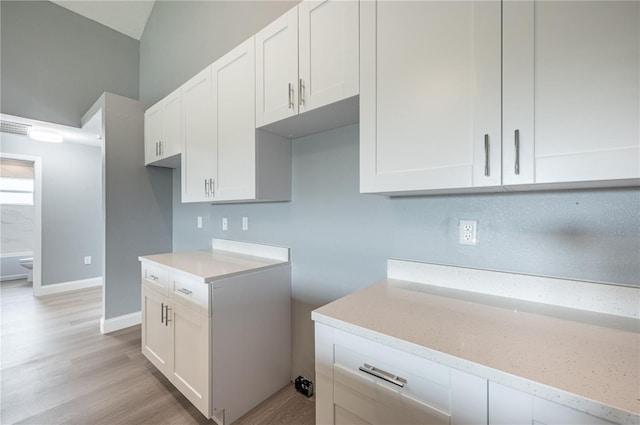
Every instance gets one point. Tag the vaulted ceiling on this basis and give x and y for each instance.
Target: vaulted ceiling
(127, 17)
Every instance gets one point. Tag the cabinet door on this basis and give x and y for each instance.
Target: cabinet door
(277, 69)
(429, 95)
(156, 333)
(152, 133)
(328, 63)
(508, 406)
(571, 91)
(235, 125)
(171, 124)
(191, 371)
(198, 160)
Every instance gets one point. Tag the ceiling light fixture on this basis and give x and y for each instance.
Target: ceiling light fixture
(44, 135)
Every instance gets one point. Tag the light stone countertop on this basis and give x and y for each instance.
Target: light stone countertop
(210, 265)
(584, 360)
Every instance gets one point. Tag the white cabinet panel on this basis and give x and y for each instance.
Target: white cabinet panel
(430, 95)
(163, 131)
(234, 126)
(277, 69)
(571, 90)
(328, 62)
(156, 334)
(199, 165)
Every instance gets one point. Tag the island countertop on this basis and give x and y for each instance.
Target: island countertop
(585, 360)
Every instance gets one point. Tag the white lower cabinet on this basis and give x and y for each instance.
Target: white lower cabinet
(175, 336)
(363, 382)
(512, 407)
(225, 345)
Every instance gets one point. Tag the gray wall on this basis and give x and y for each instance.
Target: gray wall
(137, 201)
(71, 206)
(55, 63)
(340, 239)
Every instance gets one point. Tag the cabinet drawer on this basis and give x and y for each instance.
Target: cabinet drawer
(371, 368)
(191, 293)
(156, 278)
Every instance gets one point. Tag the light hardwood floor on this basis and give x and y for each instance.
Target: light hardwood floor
(57, 368)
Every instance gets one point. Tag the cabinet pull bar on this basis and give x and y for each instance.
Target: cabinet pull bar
(157, 149)
(212, 187)
(185, 291)
(290, 96)
(166, 317)
(162, 313)
(486, 155)
(300, 92)
(161, 149)
(152, 277)
(384, 375)
(206, 188)
(516, 167)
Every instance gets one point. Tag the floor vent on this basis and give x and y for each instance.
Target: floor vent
(14, 127)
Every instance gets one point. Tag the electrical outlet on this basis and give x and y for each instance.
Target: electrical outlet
(245, 223)
(199, 222)
(87, 260)
(467, 232)
(225, 223)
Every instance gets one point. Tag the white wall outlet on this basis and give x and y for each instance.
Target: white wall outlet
(225, 223)
(467, 232)
(245, 223)
(87, 260)
(199, 222)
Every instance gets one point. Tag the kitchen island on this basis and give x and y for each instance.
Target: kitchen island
(532, 357)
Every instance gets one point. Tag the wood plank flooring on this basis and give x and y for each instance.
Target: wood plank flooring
(57, 368)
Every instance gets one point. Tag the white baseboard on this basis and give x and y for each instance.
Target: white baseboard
(67, 286)
(13, 277)
(120, 322)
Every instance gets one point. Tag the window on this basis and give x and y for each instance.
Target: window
(16, 182)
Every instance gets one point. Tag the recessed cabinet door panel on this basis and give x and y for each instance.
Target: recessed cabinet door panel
(277, 69)
(432, 71)
(172, 124)
(235, 126)
(572, 91)
(156, 335)
(199, 167)
(191, 355)
(152, 133)
(328, 52)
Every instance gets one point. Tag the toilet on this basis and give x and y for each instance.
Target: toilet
(27, 263)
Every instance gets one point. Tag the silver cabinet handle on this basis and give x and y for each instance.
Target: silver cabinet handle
(206, 188)
(161, 148)
(290, 96)
(152, 277)
(516, 166)
(300, 92)
(166, 317)
(486, 155)
(384, 375)
(162, 313)
(157, 152)
(212, 187)
(185, 291)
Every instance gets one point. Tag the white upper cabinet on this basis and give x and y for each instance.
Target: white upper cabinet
(199, 149)
(234, 126)
(306, 59)
(163, 131)
(571, 93)
(328, 52)
(277, 69)
(225, 159)
(429, 96)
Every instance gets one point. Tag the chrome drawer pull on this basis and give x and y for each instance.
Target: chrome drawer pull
(486, 155)
(152, 277)
(185, 291)
(384, 375)
(516, 166)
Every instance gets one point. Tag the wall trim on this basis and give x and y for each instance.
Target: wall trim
(120, 322)
(59, 288)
